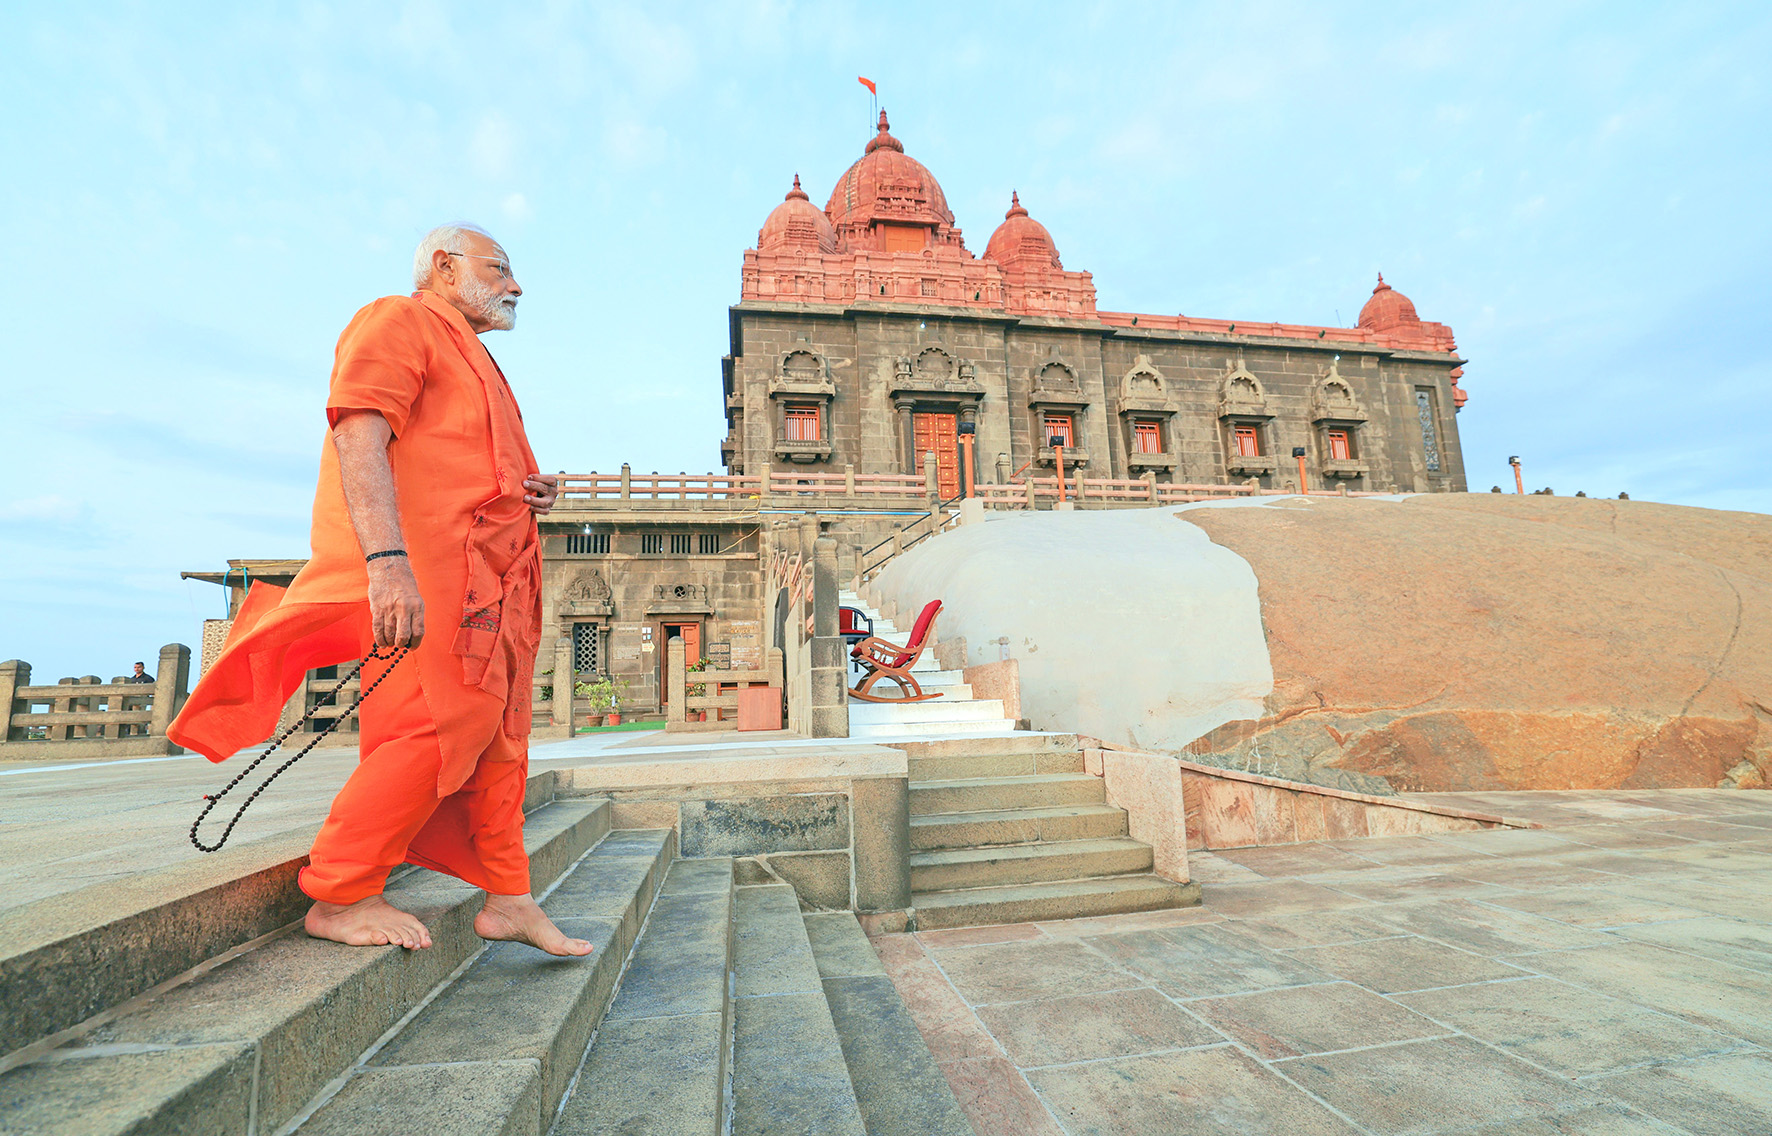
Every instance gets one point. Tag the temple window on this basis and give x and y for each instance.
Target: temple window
(586, 652)
(651, 544)
(1248, 440)
(802, 422)
(587, 543)
(1147, 436)
(680, 543)
(1430, 435)
(1058, 426)
(1341, 444)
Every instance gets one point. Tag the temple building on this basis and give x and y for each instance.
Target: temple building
(868, 335)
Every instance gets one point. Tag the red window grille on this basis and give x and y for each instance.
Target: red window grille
(1339, 449)
(802, 423)
(1248, 442)
(1147, 437)
(1058, 426)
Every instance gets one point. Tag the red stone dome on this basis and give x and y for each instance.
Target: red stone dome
(1021, 238)
(1387, 309)
(888, 189)
(797, 224)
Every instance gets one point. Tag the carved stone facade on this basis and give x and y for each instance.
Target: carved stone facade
(867, 333)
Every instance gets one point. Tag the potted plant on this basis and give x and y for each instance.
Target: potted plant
(696, 690)
(604, 697)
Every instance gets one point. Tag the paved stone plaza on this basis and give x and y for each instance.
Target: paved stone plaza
(1608, 975)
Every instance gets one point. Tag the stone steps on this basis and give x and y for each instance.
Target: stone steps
(788, 1070)
(658, 1064)
(898, 1087)
(1063, 899)
(977, 794)
(258, 1035)
(476, 1023)
(1016, 826)
(1013, 830)
(940, 710)
(887, 730)
(1042, 862)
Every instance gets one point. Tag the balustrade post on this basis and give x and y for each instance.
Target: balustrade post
(849, 480)
(171, 683)
(829, 703)
(14, 673)
(931, 483)
(627, 481)
(565, 684)
(1002, 469)
(677, 687)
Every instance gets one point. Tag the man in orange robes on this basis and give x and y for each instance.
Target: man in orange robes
(424, 536)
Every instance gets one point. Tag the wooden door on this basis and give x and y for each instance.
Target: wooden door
(690, 633)
(940, 433)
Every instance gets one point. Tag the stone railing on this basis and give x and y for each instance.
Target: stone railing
(720, 705)
(84, 717)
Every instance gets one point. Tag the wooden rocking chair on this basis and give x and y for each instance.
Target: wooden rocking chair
(890, 661)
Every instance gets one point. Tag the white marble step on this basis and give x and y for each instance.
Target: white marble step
(939, 710)
(885, 730)
(954, 692)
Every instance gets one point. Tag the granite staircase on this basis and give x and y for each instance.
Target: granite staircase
(1013, 829)
(706, 1008)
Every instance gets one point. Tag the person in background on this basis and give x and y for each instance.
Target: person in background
(140, 675)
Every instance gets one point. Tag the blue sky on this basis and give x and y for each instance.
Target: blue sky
(201, 195)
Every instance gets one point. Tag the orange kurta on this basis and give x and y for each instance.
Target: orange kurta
(459, 457)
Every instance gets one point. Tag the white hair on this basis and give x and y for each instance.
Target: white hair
(444, 238)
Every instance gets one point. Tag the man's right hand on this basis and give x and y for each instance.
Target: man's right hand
(396, 610)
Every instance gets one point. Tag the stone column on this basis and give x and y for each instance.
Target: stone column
(14, 673)
(880, 816)
(931, 478)
(1003, 469)
(676, 686)
(565, 679)
(907, 435)
(171, 683)
(829, 703)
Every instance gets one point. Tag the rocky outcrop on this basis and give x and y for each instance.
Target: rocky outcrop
(1501, 642)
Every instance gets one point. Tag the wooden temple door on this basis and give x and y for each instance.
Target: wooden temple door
(940, 433)
(690, 633)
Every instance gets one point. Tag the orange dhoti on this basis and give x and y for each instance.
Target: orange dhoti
(444, 737)
(389, 813)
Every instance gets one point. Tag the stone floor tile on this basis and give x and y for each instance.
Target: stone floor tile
(1196, 962)
(1314, 1019)
(1397, 887)
(1208, 868)
(1390, 966)
(1506, 841)
(1726, 998)
(1585, 907)
(1296, 859)
(1738, 897)
(1567, 1029)
(1761, 820)
(1277, 897)
(948, 1025)
(1605, 1120)
(1203, 1092)
(1621, 837)
(1724, 1096)
(1315, 929)
(1020, 972)
(996, 1099)
(1483, 929)
(1088, 928)
(979, 936)
(1408, 851)
(1726, 940)
(1706, 830)
(1715, 857)
(1057, 1031)
(1533, 874)
(1432, 1086)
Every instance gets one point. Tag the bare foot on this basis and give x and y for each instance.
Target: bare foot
(519, 919)
(372, 922)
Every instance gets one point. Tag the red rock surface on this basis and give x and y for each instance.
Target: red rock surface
(1477, 641)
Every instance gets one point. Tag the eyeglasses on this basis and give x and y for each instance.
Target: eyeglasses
(499, 264)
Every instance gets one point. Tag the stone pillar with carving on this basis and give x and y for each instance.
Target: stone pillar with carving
(907, 435)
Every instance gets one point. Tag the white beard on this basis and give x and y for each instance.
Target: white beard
(498, 310)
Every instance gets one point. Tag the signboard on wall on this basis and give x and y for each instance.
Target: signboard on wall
(746, 641)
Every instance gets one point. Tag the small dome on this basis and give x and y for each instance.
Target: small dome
(1387, 308)
(1020, 238)
(886, 185)
(797, 224)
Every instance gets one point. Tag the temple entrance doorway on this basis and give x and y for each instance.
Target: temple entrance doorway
(690, 633)
(939, 433)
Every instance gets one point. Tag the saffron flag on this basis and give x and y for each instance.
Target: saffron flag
(868, 83)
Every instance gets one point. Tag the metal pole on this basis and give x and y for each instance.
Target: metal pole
(1304, 485)
(1519, 483)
